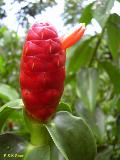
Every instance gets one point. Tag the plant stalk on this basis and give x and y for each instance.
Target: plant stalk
(39, 135)
(97, 46)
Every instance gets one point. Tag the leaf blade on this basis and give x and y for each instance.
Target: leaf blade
(7, 92)
(114, 74)
(7, 109)
(101, 10)
(73, 148)
(87, 83)
(113, 29)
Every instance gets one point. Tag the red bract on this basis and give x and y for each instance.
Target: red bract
(42, 70)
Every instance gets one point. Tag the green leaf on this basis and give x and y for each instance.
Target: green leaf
(12, 145)
(3, 29)
(101, 10)
(19, 126)
(96, 120)
(7, 109)
(118, 128)
(87, 84)
(72, 137)
(113, 31)
(114, 74)
(8, 93)
(2, 65)
(105, 154)
(54, 152)
(86, 14)
(64, 107)
(34, 153)
(81, 54)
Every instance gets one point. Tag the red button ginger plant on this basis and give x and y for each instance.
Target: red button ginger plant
(42, 70)
(42, 76)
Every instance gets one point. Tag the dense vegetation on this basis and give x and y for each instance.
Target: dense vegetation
(92, 86)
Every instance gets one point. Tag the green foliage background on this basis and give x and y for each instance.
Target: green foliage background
(92, 86)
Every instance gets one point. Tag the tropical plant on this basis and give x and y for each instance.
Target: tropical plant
(88, 115)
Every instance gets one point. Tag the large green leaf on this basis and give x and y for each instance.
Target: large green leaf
(81, 54)
(101, 10)
(7, 109)
(96, 120)
(114, 74)
(113, 31)
(72, 137)
(12, 147)
(8, 93)
(87, 84)
(54, 152)
(86, 14)
(34, 153)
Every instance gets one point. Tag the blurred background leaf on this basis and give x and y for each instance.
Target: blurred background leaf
(101, 10)
(114, 74)
(87, 85)
(7, 109)
(86, 14)
(113, 30)
(7, 93)
(81, 54)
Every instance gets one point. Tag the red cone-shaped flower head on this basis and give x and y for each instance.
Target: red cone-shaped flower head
(42, 70)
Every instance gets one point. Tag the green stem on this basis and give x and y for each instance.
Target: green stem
(39, 135)
(97, 45)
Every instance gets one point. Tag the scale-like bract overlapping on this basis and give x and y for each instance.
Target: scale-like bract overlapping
(42, 71)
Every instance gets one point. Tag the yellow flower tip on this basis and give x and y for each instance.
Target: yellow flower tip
(83, 24)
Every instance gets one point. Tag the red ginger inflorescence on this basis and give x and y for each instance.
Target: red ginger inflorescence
(42, 70)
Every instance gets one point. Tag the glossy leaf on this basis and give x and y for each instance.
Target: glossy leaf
(113, 31)
(96, 120)
(87, 84)
(7, 109)
(34, 153)
(101, 10)
(8, 93)
(72, 137)
(81, 54)
(54, 152)
(114, 74)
